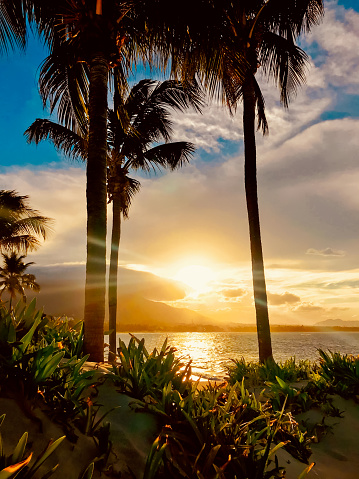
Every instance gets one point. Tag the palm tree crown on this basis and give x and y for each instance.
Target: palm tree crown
(13, 279)
(20, 225)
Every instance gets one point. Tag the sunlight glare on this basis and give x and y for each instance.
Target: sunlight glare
(195, 276)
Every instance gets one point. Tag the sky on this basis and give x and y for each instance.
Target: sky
(190, 226)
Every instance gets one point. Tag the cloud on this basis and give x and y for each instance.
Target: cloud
(352, 284)
(284, 298)
(337, 38)
(204, 130)
(325, 252)
(233, 293)
(308, 308)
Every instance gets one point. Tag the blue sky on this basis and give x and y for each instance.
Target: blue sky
(21, 105)
(308, 173)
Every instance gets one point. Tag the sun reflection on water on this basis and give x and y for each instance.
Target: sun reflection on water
(212, 352)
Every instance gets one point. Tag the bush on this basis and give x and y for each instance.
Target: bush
(141, 373)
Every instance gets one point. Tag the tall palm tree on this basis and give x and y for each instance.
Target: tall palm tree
(264, 31)
(141, 120)
(91, 40)
(13, 279)
(87, 40)
(20, 225)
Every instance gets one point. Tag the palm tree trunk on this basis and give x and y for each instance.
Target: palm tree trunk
(112, 287)
(250, 180)
(95, 290)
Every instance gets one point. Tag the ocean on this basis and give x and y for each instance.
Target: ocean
(212, 352)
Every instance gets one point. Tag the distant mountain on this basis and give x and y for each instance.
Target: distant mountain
(331, 323)
(140, 305)
(140, 314)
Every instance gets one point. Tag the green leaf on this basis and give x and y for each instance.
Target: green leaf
(50, 366)
(88, 472)
(30, 310)
(281, 383)
(154, 459)
(28, 336)
(42, 458)
(276, 447)
(18, 453)
(10, 470)
(305, 472)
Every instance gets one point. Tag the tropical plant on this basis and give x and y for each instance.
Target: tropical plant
(340, 372)
(255, 374)
(15, 465)
(282, 394)
(147, 112)
(141, 373)
(20, 225)
(222, 432)
(68, 336)
(264, 32)
(13, 279)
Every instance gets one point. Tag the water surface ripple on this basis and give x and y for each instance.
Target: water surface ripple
(212, 352)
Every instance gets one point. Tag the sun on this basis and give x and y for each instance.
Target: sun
(196, 276)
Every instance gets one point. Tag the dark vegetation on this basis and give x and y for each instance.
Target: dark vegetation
(228, 430)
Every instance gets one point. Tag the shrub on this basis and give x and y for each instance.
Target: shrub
(141, 373)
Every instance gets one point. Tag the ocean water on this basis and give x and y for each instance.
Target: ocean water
(212, 352)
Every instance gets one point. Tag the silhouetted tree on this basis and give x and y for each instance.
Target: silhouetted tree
(13, 279)
(20, 225)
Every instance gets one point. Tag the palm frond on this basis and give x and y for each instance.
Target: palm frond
(260, 103)
(285, 62)
(12, 25)
(297, 15)
(70, 143)
(20, 224)
(64, 83)
(172, 155)
(19, 243)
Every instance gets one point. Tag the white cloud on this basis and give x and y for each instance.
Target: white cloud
(338, 36)
(325, 252)
(205, 129)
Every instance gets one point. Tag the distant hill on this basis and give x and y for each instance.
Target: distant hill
(331, 323)
(136, 313)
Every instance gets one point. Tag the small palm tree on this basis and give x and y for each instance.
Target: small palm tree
(13, 279)
(148, 122)
(20, 225)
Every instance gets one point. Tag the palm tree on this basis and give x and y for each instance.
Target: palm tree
(20, 225)
(92, 39)
(264, 31)
(13, 279)
(145, 120)
(89, 40)
(147, 109)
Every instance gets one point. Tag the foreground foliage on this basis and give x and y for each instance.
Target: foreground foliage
(42, 364)
(228, 430)
(21, 467)
(219, 431)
